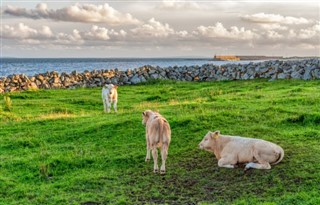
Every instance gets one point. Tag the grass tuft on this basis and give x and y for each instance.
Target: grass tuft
(7, 103)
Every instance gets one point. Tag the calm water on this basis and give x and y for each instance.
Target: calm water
(32, 66)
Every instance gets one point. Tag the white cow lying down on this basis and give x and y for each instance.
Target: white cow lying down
(231, 150)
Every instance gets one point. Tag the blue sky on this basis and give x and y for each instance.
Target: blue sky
(159, 28)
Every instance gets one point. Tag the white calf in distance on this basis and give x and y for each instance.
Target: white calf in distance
(109, 95)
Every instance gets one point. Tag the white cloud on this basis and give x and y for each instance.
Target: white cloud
(219, 31)
(273, 35)
(69, 39)
(153, 29)
(89, 13)
(179, 5)
(101, 33)
(273, 26)
(27, 35)
(98, 33)
(311, 32)
(274, 18)
(160, 34)
(22, 31)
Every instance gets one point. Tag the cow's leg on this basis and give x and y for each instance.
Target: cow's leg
(262, 164)
(227, 163)
(108, 105)
(258, 166)
(104, 104)
(155, 159)
(148, 148)
(164, 154)
(115, 106)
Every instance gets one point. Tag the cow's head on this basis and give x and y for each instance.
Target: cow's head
(209, 140)
(111, 88)
(145, 116)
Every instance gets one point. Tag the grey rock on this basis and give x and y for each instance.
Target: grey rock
(245, 76)
(307, 75)
(283, 76)
(296, 75)
(154, 76)
(135, 79)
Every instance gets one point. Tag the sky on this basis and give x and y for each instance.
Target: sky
(144, 29)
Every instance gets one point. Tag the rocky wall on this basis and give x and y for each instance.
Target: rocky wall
(308, 69)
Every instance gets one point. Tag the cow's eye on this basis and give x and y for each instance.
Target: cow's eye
(206, 140)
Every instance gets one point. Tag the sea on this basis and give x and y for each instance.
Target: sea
(32, 66)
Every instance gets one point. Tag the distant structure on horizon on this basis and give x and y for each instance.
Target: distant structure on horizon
(238, 58)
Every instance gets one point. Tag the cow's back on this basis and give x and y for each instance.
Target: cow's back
(238, 147)
(158, 130)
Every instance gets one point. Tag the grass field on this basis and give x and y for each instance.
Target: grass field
(58, 147)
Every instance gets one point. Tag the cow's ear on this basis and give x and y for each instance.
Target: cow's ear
(215, 134)
(144, 113)
(115, 86)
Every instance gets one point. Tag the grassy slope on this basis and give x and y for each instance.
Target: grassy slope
(58, 147)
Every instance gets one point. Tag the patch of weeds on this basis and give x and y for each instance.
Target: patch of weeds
(59, 110)
(304, 119)
(296, 90)
(183, 123)
(81, 102)
(154, 98)
(44, 171)
(7, 103)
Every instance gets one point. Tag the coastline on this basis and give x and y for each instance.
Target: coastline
(307, 69)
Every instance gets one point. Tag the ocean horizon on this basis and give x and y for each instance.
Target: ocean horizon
(33, 66)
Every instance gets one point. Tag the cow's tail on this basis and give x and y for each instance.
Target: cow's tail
(280, 156)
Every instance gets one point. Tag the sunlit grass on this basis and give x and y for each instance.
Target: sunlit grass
(59, 147)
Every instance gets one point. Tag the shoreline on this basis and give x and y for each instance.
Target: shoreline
(34, 66)
(306, 69)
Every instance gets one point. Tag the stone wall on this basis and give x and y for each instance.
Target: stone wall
(308, 69)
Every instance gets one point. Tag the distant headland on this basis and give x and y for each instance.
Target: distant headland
(252, 57)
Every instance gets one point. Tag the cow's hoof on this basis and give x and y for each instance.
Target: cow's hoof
(162, 172)
(246, 168)
(155, 171)
(147, 160)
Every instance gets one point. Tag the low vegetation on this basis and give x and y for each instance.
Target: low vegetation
(58, 147)
(7, 103)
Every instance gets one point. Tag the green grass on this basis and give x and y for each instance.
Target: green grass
(58, 147)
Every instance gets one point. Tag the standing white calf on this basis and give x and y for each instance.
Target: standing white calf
(109, 95)
(158, 134)
(231, 150)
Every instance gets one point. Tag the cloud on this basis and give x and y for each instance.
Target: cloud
(154, 33)
(311, 32)
(179, 5)
(22, 31)
(273, 35)
(87, 13)
(218, 31)
(27, 35)
(153, 29)
(274, 18)
(102, 33)
(273, 26)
